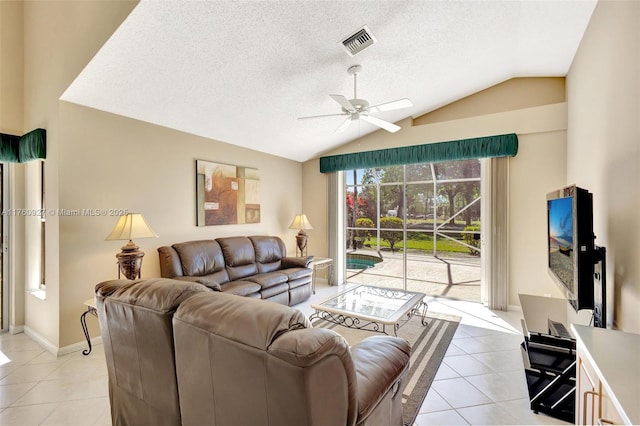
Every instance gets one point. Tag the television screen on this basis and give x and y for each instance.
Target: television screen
(561, 261)
(571, 244)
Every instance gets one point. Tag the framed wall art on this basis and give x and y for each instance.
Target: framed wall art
(226, 194)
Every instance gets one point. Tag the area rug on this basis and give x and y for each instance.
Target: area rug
(428, 346)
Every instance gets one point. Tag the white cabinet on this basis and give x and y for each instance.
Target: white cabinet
(607, 376)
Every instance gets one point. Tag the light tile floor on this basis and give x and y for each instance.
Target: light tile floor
(480, 382)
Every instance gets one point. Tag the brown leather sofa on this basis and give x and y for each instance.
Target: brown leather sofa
(226, 360)
(255, 266)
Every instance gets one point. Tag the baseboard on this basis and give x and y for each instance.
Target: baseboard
(41, 340)
(514, 308)
(80, 346)
(56, 351)
(16, 329)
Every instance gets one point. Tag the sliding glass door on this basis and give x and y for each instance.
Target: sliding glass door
(415, 227)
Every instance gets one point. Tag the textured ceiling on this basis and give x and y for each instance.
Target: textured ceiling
(241, 72)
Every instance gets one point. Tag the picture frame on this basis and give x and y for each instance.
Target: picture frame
(226, 194)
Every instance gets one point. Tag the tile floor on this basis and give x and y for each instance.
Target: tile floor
(480, 382)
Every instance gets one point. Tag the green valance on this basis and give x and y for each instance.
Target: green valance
(33, 145)
(464, 149)
(9, 148)
(16, 149)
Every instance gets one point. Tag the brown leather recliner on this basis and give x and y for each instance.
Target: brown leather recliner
(137, 335)
(242, 361)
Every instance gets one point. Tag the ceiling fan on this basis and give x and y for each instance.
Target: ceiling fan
(355, 108)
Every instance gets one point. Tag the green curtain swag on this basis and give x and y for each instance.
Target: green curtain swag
(464, 149)
(16, 149)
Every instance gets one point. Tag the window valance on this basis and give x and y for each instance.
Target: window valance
(463, 149)
(20, 149)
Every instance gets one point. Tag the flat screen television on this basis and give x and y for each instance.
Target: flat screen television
(571, 244)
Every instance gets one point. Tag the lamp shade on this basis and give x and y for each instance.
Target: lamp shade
(130, 226)
(300, 222)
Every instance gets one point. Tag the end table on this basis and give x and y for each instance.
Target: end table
(319, 263)
(91, 309)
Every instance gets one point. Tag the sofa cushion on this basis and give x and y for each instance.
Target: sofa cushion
(269, 279)
(278, 289)
(240, 288)
(200, 258)
(269, 252)
(239, 257)
(296, 273)
(206, 280)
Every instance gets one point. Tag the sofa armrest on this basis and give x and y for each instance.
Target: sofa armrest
(296, 262)
(208, 282)
(380, 363)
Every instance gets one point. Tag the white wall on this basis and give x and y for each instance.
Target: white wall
(603, 146)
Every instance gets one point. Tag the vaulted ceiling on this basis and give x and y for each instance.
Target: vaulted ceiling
(242, 72)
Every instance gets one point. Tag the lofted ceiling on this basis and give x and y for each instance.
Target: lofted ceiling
(242, 72)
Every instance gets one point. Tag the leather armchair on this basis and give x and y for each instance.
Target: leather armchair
(242, 361)
(137, 335)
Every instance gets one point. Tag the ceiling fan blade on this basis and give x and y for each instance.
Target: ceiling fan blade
(344, 125)
(343, 102)
(324, 115)
(390, 106)
(389, 127)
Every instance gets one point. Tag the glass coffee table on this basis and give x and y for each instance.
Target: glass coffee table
(372, 308)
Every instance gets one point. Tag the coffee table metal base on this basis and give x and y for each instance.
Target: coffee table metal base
(360, 324)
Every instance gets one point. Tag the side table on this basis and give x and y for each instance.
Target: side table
(320, 263)
(91, 309)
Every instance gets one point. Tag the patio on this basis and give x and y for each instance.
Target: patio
(455, 277)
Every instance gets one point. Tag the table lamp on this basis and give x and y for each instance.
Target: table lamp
(301, 222)
(130, 226)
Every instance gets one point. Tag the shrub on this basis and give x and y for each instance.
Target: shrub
(363, 222)
(391, 237)
(473, 239)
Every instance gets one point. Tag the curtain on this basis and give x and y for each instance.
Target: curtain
(464, 149)
(16, 149)
(336, 238)
(496, 236)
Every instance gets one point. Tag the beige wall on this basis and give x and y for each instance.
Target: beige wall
(11, 122)
(11, 69)
(516, 93)
(127, 164)
(603, 145)
(538, 168)
(97, 160)
(59, 40)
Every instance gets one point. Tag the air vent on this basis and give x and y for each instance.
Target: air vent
(358, 41)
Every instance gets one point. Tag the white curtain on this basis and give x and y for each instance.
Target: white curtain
(336, 237)
(495, 232)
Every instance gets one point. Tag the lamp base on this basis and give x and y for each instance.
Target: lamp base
(130, 261)
(301, 242)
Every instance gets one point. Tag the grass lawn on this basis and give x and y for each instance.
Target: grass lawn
(444, 245)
